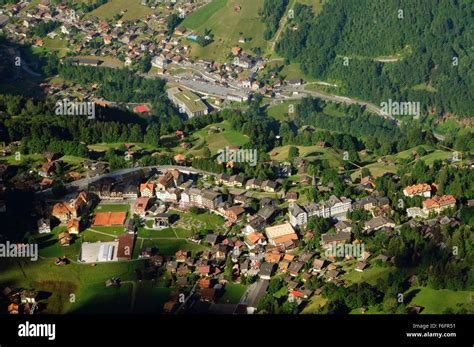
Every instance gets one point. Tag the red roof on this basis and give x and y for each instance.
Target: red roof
(297, 294)
(141, 109)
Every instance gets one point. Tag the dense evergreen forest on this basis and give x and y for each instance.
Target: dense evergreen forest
(346, 41)
(271, 14)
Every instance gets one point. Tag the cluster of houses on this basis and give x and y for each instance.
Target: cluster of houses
(433, 204)
(20, 301)
(264, 242)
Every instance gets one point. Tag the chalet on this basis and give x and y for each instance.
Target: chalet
(421, 189)
(361, 266)
(367, 183)
(28, 296)
(64, 238)
(295, 267)
(47, 169)
(273, 257)
(236, 181)
(147, 189)
(343, 226)
(268, 213)
(181, 256)
(318, 265)
(234, 213)
(13, 308)
(439, 203)
(223, 178)
(140, 206)
(269, 186)
(253, 183)
(378, 223)
(266, 271)
(256, 224)
(294, 82)
(291, 196)
(306, 256)
(370, 202)
(72, 226)
(44, 226)
(210, 199)
(204, 270)
(253, 239)
(329, 240)
(333, 274)
(236, 50)
(212, 239)
(73, 209)
(204, 283)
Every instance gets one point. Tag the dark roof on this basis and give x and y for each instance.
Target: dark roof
(266, 269)
(342, 236)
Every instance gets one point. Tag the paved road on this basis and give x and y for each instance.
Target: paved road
(83, 183)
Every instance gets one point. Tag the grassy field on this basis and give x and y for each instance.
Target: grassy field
(150, 298)
(206, 220)
(370, 275)
(309, 152)
(132, 7)
(112, 208)
(86, 282)
(106, 61)
(201, 16)
(433, 301)
(282, 111)
(232, 293)
(293, 71)
(314, 304)
(436, 301)
(169, 247)
(103, 147)
(227, 25)
(216, 141)
(56, 44)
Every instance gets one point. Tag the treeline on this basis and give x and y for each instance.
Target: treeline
(271, 14)
(43, 28)
(343, 41)
(119, 85)
(357, 130)
(39, 128)
(254, 123)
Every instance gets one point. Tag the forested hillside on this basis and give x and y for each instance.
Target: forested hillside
(381, 49)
